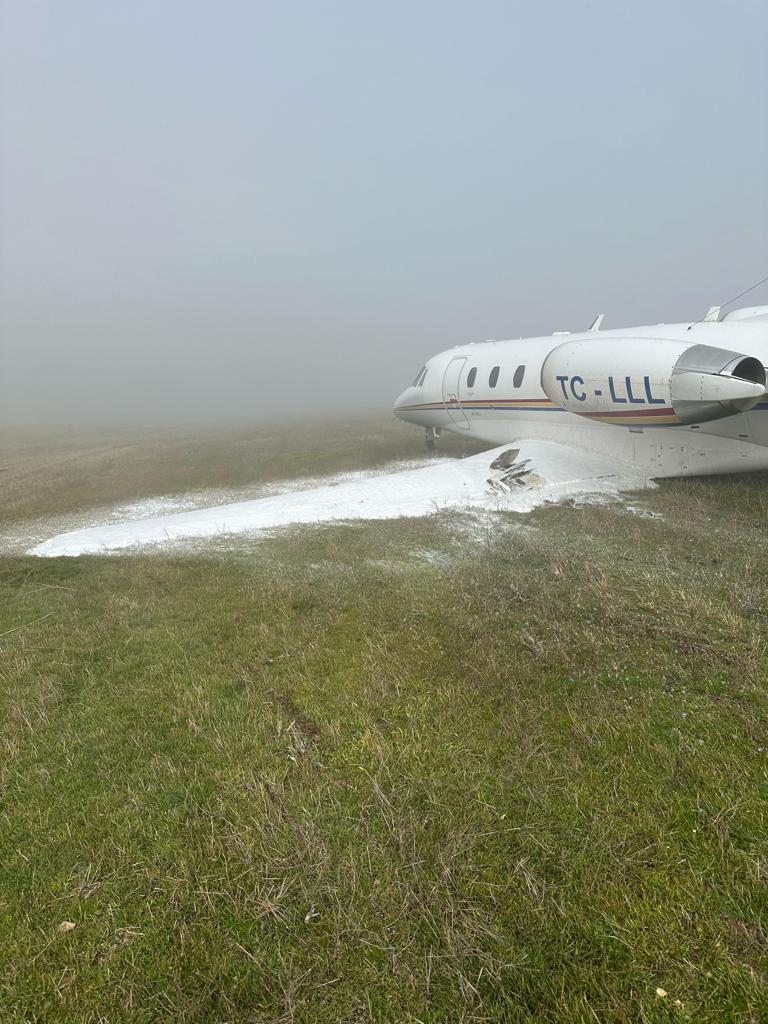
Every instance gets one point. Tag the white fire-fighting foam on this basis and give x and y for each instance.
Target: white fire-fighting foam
(444, 484)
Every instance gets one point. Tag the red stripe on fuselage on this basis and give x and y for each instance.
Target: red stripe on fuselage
(628, 412)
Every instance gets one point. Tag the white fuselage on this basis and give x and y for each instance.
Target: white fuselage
(632, 394)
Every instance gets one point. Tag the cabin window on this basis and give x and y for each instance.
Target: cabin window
(418, 377)
(517, 380)
(494, 377)
(471, 377)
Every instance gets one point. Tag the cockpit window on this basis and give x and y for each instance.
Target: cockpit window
(494, 377)
(471, 377)
(417, 377)
(423, 377)
(517, 380)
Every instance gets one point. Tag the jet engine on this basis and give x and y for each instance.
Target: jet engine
(651, 381)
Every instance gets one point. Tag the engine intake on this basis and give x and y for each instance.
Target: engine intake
(708, 383)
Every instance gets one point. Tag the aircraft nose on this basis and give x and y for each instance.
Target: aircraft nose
(402, 402)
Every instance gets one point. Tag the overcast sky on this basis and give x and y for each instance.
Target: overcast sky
(247, 208)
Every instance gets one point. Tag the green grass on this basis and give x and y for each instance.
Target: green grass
(518, 773)
(43, 474)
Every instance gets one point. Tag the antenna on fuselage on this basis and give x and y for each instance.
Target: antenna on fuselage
(595, 325)
(708, 317)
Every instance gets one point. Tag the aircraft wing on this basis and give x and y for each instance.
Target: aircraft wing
(556, 470)
(515, 477)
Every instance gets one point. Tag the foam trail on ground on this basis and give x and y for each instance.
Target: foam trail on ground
(448, 484)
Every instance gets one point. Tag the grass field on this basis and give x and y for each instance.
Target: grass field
(420, 770)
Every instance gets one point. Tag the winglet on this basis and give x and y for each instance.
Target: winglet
(595, 326)
(713, 314)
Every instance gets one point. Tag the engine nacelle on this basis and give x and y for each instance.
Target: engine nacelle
(636, 381)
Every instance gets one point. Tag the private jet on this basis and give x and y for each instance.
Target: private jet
(668, 400)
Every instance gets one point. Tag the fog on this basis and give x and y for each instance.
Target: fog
(255, 209)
